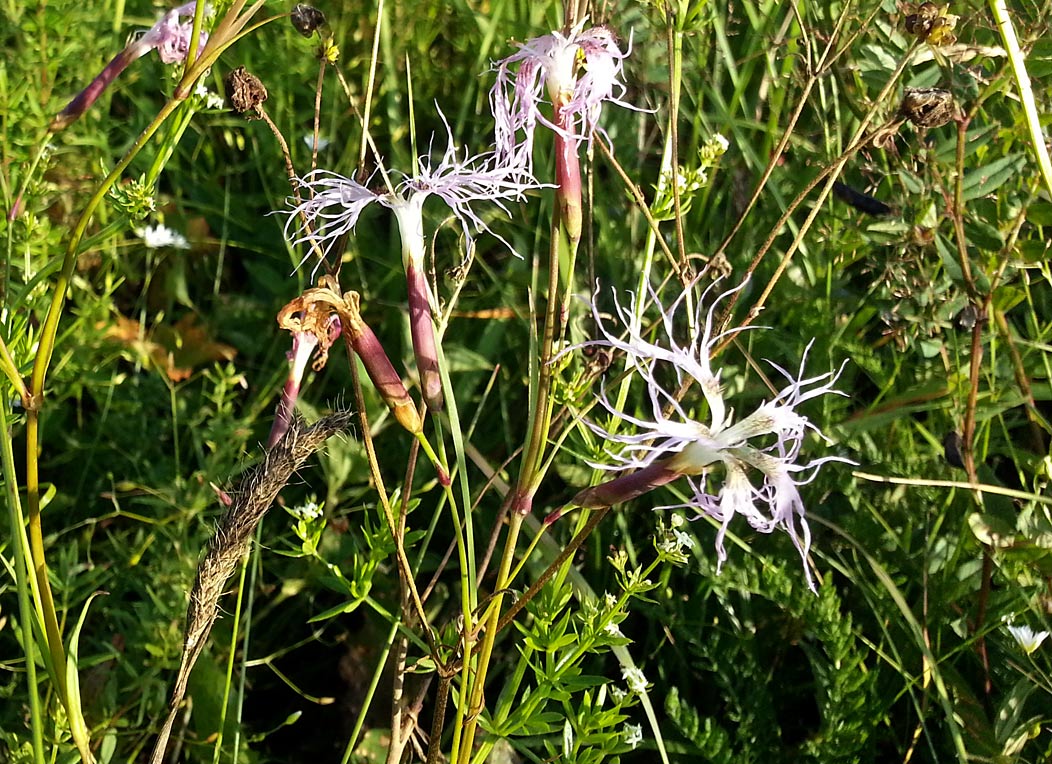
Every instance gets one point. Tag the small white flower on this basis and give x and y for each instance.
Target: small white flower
(617, 694)
(634, 678)
(1027, 638)
(684, 541)
(633, 735)
(613, 630)
(211, 99)
(309, 511)
(158, 236)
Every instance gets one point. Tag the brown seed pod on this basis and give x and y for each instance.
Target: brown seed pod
(928, 107)
(244, 92)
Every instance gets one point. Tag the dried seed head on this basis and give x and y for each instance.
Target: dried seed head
(245, 92)
(928, 107)
(932, 23)
(306, 19)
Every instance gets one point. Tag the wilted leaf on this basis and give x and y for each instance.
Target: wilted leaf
(174, 349)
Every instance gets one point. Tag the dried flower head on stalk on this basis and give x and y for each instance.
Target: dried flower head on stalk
(766, 443)
(315, 327)
(306, 19)
(318, 310)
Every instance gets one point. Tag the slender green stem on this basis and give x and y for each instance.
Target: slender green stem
(26, 611)
(9, 369)
(367, 701)
(674, 44)
(20, 198)
(540, 410)
(486, 650)
(242, 611)
(1026, 93)
(50, 328)
(230, 29)
(46, 347)
(176, 127)
(551, 570)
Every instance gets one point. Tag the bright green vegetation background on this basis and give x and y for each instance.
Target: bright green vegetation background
(902, 656)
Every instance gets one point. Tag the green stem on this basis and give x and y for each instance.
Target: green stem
(9, 369)
(367, 701)
(552, 569)
(46, 347)
(486, 651)
(20, 198)
(1026, 93)
(26, 612)
(231, 28)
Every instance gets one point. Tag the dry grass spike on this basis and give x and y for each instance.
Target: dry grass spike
(232, 538)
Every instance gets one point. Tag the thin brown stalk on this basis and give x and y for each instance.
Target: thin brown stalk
(405, 569)
(641, 204)
(317, 114)
(294, 183)
(829, 175)
(551, 570)
(813, 75)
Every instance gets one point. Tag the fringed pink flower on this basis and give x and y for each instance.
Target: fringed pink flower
(580, 71)
(764, 446)
(170, 37)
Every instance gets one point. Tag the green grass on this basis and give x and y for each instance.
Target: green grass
(168, 364)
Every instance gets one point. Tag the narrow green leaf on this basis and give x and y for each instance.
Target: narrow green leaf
(78, 727)
(987, 179)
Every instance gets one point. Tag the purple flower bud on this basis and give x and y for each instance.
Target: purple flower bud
(378, 366)
(422, 331)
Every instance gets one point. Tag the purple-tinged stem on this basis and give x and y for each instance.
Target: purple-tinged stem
(423, 333)
(626, 487)
(303, 345)
(16, 209)
(85, 98)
